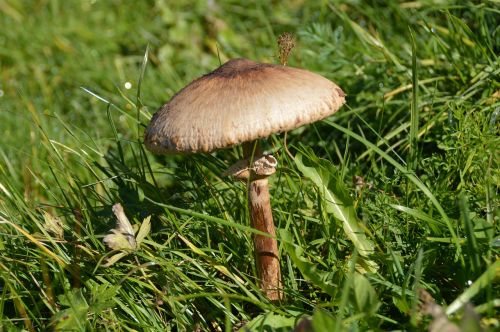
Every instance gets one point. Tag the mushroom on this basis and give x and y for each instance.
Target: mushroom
(241, 102)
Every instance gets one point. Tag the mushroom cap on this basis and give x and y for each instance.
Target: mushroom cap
(238, 102)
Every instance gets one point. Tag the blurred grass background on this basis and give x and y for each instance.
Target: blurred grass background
(70, 149)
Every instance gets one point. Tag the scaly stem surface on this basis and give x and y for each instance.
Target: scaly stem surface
(266, 248)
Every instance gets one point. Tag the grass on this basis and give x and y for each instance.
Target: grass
(415, 171)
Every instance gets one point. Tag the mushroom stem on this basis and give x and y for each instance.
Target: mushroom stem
(266, 248)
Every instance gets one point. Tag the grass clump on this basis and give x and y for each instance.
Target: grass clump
(413, 160)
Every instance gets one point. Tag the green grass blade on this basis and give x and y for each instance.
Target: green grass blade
(414, 116)
(485, 281)
(431, 222)
(308, 269)
(472, 247)
(209, 218)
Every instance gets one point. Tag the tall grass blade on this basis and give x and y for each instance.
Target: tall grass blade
(414, 116)
(139, 103)
(484, 281)
(208, 218)
(472, 247)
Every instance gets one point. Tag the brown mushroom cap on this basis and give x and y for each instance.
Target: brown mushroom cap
(238, 102)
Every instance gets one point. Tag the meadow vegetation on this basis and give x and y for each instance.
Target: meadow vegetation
(396, 193)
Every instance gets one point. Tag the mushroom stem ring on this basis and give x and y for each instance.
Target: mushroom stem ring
(259, 167)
